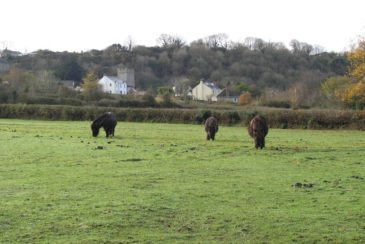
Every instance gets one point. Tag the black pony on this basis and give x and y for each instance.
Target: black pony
(258, 129)
(108, 121)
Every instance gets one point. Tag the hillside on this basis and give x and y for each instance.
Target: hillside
(254, 65)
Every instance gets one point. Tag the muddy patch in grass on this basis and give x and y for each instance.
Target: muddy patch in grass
(131, 160)
(303, 185)
(122, 146)
(357, 177)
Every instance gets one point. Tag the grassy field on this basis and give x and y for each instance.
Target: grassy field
(166, 183)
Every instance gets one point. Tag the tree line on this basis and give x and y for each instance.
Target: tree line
(269, 71)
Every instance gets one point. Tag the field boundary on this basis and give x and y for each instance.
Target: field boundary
(277, 118)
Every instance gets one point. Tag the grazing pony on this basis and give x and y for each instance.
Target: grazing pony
(211, 127)
(258, 130)
(108, 121)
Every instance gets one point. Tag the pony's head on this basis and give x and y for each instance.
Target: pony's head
(258, 130)
(95, 126)
(95, 130)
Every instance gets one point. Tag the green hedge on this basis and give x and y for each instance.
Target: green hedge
(278, 118)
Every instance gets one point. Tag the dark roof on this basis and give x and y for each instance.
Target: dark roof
(211, 85)
(228, 93)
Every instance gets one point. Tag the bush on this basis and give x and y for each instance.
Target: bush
(245, 98)
(149, 100)
(40, 100)
(105, 102)
(278, 118)
(202, 116)
(233, 117)
(277, 104)
(71, 101)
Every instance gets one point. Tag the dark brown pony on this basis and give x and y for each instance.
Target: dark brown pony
(211, 127)
(258, 129)
(108, 121)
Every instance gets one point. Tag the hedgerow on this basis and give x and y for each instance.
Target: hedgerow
(277, 118)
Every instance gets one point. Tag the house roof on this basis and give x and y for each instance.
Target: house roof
(228, 93)
(114, 79)
(211, 85)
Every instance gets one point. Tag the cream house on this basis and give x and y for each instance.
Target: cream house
(206, 91)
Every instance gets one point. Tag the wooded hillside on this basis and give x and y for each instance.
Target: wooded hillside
(266, 69)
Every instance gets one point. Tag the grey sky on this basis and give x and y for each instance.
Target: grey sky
(79, 25)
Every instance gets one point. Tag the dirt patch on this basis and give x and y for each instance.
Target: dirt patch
(122, 146)
(131, 160)
(357, 177)
(303, 185)
(185, 228)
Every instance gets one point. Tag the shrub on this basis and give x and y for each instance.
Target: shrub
(202, 116)
(40, 100)
(278, 118)
(233, 118)
(277, 104)
(71, 101)
(245, 98)
(105, 102)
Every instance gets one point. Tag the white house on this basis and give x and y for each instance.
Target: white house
(206, 91)
(113, 85)
(123, 83)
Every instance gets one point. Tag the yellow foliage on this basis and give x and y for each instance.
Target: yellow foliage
(355, 95)
(91, 87)
(336, 86)
(90, 81)
(245, 98)
(357, 61)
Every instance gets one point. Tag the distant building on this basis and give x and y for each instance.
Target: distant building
(123, 83)
(127, 75)
(113, 85)
(206, 91)
(71, 84)
(9, 53)
(4, 66)
(227, 95)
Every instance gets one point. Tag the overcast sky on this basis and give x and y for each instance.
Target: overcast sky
(80, 25)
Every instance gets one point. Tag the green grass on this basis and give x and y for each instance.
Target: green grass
(166, 183)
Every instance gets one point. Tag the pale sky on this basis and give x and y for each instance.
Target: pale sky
(81, 25)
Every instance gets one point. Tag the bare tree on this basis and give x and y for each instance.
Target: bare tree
(317, 49)
(254, 43)
(170, 41)
(45, 82)
(218, 41)
(182, 86)
(301, 47)
(130, 43)
(5, 45)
